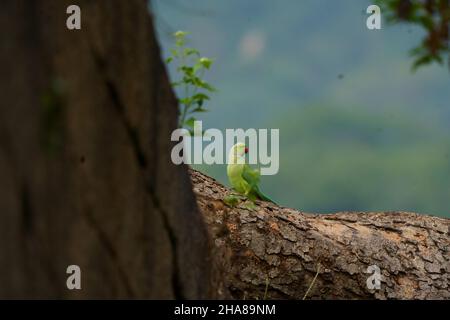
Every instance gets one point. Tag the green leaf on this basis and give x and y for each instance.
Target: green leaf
(202, 84)
(438, 59)
(426, 59)
(197, 67)
(207, 86)
(191, 51)
(191, 132)
(249, 205)
(191, 80)
(187, 80)
(420, 50)
(200, 96)
(426, 22)
(200, 109)
(187, 70)
(180, 38)
(180, 34)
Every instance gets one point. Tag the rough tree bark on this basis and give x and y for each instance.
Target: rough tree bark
(282, 250)
(85, 173)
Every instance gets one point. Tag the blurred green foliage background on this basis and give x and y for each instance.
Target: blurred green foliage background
(358, 129)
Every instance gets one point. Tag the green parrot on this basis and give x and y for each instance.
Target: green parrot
(242, 177)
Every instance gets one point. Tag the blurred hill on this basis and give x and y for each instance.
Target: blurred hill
(358, 130)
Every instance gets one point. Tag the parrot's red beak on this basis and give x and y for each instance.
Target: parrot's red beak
(246, 150)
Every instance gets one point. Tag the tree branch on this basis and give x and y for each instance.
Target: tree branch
(285, 248)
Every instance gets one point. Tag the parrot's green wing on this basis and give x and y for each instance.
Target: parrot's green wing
(252, 177)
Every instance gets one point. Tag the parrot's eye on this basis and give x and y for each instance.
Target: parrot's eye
(246, 150)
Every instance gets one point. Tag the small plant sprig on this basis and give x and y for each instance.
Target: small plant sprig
(194, 89)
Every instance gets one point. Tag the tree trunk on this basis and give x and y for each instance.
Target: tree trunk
(275, 253)
(86, 178)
